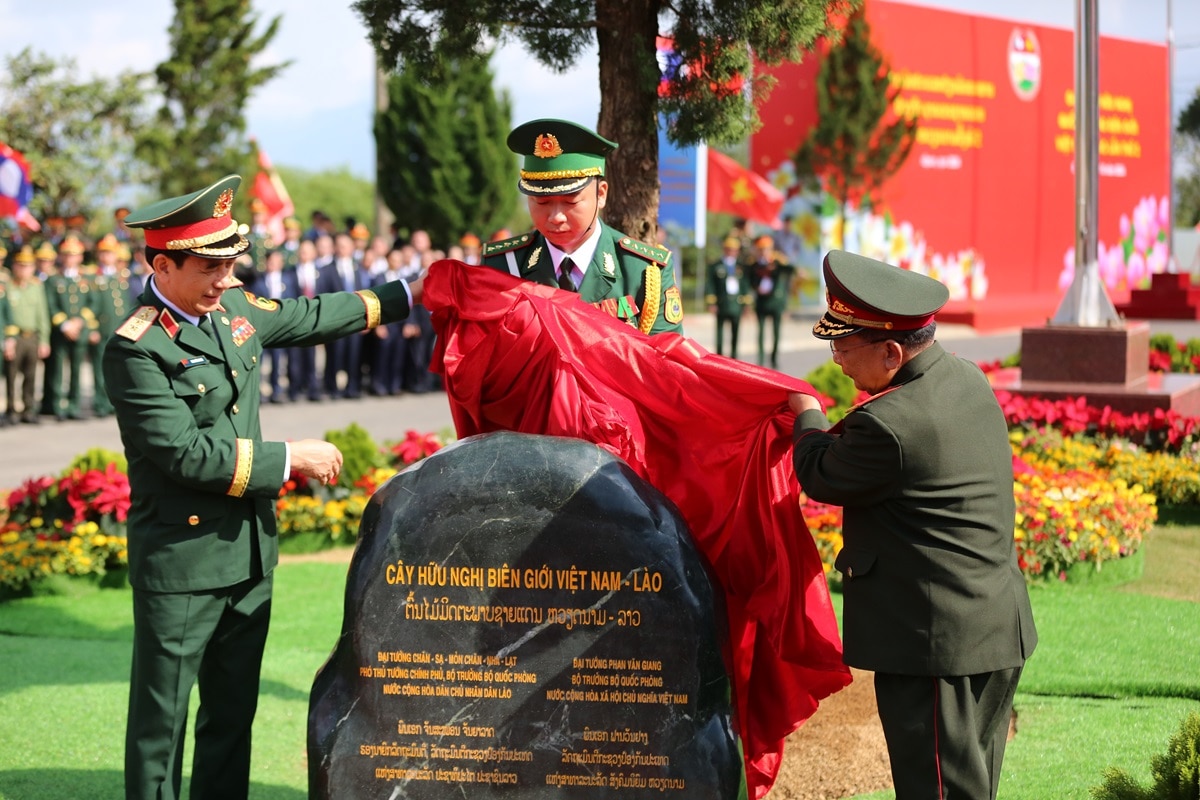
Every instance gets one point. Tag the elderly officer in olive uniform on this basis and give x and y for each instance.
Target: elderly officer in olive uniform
(562, 175)
(183, 376)
(935, 604)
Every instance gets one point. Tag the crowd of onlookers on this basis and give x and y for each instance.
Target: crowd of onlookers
(63, 294)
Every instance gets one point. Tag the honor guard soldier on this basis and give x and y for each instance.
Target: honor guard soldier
(727, 293)
(73, 326)
(26, 336)
(7, 334)
(771, 279)
(183, 374)
(935, 604)
(110, 287)
(562, 175)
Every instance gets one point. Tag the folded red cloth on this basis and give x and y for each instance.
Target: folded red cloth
(711, 433)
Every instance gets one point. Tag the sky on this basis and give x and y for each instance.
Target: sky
(317, 114)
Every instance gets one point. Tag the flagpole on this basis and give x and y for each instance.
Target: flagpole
(701, 219)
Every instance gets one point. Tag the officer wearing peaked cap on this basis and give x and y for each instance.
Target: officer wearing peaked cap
(935, 604)
(183, 376)
(563, 177)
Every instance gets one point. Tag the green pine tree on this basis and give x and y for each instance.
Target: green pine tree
(712, 98)
(442, 163)
(206, 82)
(74, 133)
(858, 142)
(1187, 186)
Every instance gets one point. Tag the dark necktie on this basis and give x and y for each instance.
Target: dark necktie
(565, 281)
(210, 330)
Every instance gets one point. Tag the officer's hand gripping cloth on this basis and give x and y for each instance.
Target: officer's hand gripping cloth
(713, 434)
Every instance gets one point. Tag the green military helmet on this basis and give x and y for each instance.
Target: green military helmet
(865, 294)
(560, 157)
(199, 224)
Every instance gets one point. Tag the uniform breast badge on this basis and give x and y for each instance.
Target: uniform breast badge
(242, 330)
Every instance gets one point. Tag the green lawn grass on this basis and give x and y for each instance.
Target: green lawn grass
(1114, 673)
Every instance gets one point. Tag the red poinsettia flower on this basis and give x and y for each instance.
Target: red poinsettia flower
(416, 446)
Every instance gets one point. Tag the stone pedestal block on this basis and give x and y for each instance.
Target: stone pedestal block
(1075, 354)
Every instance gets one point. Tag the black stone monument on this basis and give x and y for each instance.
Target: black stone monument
(525, 618)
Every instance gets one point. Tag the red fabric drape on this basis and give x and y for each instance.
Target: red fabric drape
(711, 433)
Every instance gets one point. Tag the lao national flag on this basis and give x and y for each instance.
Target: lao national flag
(270, 190)
(16, 190)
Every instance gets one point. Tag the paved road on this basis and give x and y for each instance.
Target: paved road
(32, 451)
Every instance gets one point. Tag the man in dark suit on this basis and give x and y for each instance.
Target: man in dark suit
(563, 176)
(344, 273)
(277, 283)
(183, 376)
(934, 602)
(303, 378)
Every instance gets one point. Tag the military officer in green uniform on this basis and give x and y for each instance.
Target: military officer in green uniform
(183, 374)
(935, 604)
(110, 286)
(770, 278)
(562, 175)
(727, 293)
(26, 336)
(73, 326)
(7, 343)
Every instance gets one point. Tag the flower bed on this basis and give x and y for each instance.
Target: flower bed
(1082, 505)
(72, 525)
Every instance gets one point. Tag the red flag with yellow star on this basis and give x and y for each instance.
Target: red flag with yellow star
(733, 189)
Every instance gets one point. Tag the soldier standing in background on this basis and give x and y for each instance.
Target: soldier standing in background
(727, 294)
(26, 336)
(771, 278)
(110, 286)
(6, 329)
(73, 326)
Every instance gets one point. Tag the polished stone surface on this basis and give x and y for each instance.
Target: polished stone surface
(524, 618)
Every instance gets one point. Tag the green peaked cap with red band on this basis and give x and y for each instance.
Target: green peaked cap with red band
(200, 223)
(865, 294)
(558, 157)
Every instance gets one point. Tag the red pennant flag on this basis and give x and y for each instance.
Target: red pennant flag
(270, 190)
(733, 189)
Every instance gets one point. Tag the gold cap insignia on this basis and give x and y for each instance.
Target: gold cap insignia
(223, 204)
(547, 146)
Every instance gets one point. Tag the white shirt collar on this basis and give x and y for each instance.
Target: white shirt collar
(582, 255)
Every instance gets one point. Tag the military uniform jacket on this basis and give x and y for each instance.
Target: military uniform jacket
(771, 284)
(924, 473)
(616, 279)
(203, 483)
(68, 298)
(716, 289)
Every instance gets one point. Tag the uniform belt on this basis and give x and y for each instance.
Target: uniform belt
(28, 334)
